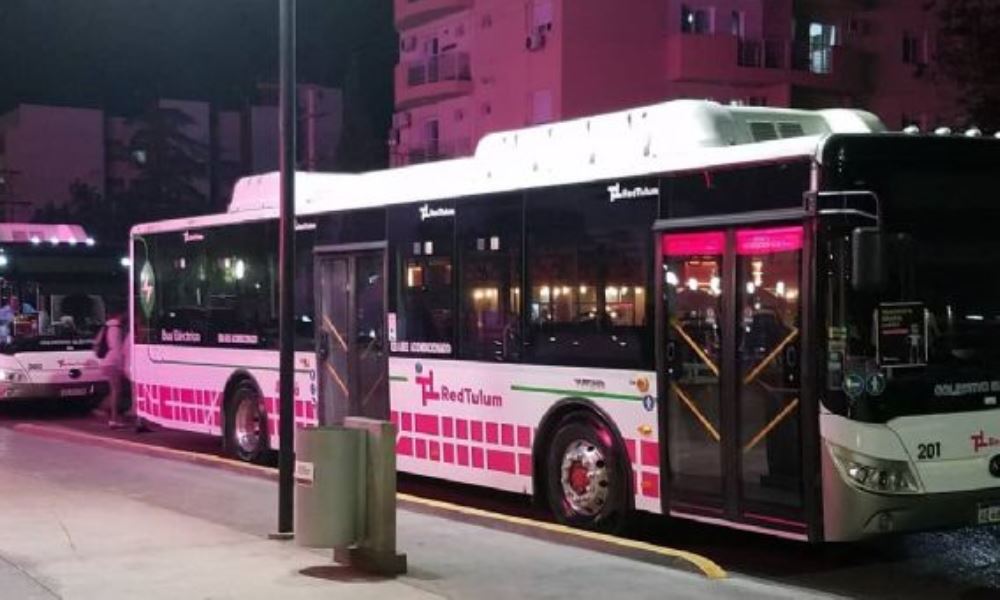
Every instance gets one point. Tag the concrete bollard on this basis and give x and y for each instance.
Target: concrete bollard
(374, 550)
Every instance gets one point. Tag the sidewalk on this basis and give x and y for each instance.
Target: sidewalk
(80, 522)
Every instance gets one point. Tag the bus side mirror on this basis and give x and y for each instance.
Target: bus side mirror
(868, 268)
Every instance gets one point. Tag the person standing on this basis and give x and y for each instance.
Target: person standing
(110, 348)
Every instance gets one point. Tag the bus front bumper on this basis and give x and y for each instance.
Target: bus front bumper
(44, 391)
(851, 514)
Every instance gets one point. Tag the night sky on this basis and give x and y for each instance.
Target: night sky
(122, 54)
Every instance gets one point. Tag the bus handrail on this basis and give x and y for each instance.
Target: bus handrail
(815, 197)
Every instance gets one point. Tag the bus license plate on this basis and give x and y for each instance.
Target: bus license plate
(989, 513)
(73, 392)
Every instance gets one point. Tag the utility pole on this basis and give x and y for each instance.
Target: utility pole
(286, 271)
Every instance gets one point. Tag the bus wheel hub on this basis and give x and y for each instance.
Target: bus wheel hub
(585, 482)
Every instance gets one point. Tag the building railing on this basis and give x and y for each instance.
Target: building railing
(412, 13)
(453, 66)
(438, 150)
(783, 54)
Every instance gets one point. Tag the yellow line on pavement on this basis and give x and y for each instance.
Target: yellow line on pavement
(707, 566)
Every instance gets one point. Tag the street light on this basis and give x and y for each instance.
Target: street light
(286, 255)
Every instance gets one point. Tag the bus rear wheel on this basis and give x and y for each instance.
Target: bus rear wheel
(587, 477)
(247, 425)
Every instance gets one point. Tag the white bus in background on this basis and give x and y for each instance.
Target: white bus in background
(775, 320)
(55, 283)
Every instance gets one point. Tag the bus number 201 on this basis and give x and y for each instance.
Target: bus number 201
(929, 451)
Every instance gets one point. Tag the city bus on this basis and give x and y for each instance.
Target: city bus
(55, 286)
(776, 320)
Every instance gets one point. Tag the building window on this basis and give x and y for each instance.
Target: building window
(913, 50)
(541, 15)
(822, 39)
(541, 107)
(737, 23)
(696, 20)
(432, 138)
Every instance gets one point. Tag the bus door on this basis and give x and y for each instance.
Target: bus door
(350, 335)
(729, 336)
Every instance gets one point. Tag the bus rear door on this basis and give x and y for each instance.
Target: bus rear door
(350, 339)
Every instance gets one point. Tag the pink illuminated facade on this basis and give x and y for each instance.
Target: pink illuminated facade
(470, 67)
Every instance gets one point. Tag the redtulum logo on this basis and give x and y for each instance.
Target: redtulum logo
(981, 440)
(617, 192)
(428, 393)
(426, 212)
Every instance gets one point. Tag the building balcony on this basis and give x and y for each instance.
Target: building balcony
(727, 59)
(411, 13)
(432, 80)
(432, 151)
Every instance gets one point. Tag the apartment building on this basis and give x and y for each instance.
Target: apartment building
(469, 67)
(44, 150)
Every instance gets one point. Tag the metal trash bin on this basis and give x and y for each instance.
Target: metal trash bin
(326, 486)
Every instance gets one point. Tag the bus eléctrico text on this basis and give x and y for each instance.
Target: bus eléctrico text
(55, 286)
(776, 320)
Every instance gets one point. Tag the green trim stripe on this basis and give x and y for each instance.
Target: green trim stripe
(398, 378)
(561, 392)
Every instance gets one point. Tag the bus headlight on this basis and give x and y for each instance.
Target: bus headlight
(872, 474)
(12, 376)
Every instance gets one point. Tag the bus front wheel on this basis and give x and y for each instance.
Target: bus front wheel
(246, 424)
(587, 476)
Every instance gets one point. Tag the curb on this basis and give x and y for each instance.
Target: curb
(644, 551)
(601, 542)
(205, 460)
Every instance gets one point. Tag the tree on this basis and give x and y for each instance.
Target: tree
(170, 164)
(968, 53)
(100, 216)
(359, 148)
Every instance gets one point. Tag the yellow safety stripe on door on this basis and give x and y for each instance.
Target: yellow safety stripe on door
(770, 357)
(336, 379)
(694, 346)
(329, 326)
(374, 387)
(778, 418)
(694, 410)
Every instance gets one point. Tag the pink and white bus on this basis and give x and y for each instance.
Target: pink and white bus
(56, 283)
(774, 320)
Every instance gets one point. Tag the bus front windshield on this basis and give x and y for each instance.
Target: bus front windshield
(36, 314)
(929, 339)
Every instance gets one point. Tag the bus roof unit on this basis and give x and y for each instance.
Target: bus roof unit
(672, 136)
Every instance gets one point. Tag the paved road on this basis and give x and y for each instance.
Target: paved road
(963, 564)
(80, 522)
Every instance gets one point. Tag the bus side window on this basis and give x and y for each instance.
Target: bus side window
(423, 243)
(242, 285)
(489, 259)
(589, 277)
(178, 290)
